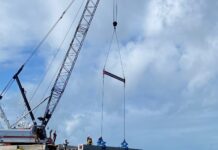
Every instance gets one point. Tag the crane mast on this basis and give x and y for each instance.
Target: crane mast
(70, 59)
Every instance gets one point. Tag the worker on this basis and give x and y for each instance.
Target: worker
(50, 133)
(54, 136)
(89, 140)
(65, 144)
(49, 140)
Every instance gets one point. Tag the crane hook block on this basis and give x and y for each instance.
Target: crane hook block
(115, 24)
(114, 76)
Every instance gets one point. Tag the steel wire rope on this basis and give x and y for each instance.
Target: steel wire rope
(25, 114)
(52, 60)
(108, 53)
(37, 47)
(48, 33)
(115, 9)
(121, 62)
(43, 97)
(53, 77)
(7, 87)
(102, 101)
(58, 68)
(58, 50)
(102, 107)
(56, 53)
(124, 111)
(114, 20)
(124, 87)
(103, 87)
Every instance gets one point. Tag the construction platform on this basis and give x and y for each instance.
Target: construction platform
(93, 147)
(58, 147)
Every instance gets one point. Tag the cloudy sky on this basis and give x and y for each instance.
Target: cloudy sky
(169, 50)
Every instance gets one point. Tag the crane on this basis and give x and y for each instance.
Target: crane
(4, 117)
(38, 131)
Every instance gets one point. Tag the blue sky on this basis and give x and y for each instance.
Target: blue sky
(169, 49)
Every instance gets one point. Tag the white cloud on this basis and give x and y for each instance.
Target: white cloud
(166, 15)
(74, 124)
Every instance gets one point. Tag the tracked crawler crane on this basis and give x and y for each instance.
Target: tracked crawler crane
(37, 133)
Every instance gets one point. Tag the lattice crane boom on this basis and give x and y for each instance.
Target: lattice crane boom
(3, 116)
(70, 59)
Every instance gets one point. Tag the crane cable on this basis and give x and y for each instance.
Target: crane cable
(27, 113)
(100, 142)
(4, 91)
(49, 32)
(115, 10)
(48, 68)
(55, 55)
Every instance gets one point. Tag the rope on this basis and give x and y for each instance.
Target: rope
(37, 48)
(58, 68)
(4, 91)
(124, 111)
(102, 107)
(56, 53)
(121, 62)
(49, 32)
(24, 115)
(115, 10)
(51, 81)
(124, 144)
(50, 84)
(108, 53)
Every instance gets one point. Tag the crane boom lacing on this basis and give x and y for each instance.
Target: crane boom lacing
(3, 116)
(70, 59)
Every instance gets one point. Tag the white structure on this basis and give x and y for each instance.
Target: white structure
(17, 136)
